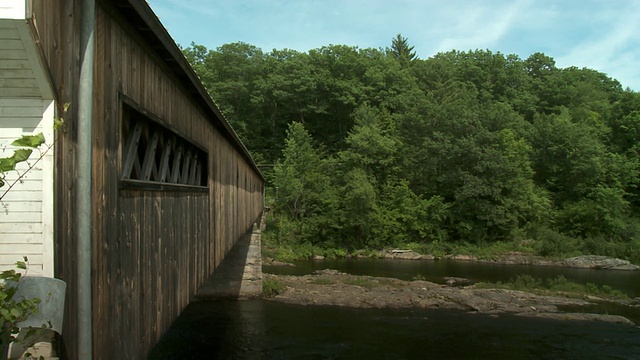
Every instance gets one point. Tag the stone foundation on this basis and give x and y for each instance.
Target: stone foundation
(240, 274)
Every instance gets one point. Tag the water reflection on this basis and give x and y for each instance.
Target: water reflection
(267, 330)
(259, 329)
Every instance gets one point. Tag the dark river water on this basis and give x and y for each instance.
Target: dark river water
(261, 329)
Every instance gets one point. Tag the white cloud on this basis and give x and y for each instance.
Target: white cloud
(614, 51)
(464, 25)
(602, 35)
(185, 8)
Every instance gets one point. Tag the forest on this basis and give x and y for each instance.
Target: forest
(374, 148)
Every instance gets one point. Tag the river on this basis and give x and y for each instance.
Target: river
(262, 329)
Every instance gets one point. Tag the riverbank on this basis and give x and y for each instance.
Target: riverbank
(330, 287)
(510, 258)
(517, 258)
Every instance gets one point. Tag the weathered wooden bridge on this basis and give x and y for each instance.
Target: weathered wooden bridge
(172, 186)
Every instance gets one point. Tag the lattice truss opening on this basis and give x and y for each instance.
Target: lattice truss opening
(154, 153)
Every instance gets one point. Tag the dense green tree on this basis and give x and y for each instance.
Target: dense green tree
(372, 143)
(303, 186)
(200, 59)
(301, 176)
(485, 175)
(589, 182)
(368, 164)
(372, 187)
(474, 146)
(548, 87)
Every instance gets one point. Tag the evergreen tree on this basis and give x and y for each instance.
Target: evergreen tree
(401, 50)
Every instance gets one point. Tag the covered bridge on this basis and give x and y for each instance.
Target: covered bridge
(173, 188)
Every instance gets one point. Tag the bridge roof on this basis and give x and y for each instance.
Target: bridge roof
(139, 15)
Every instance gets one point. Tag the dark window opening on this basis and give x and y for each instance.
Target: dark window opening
(154, 154)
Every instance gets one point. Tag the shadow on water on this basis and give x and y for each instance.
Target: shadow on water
(224, 329)
(259, 329)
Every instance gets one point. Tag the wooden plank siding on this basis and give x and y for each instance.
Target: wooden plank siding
(152, 247)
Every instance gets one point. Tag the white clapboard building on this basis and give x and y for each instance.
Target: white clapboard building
(26, 108)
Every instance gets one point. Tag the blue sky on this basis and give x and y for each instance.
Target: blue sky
(603, 35)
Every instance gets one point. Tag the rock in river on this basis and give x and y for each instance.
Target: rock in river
(331, 287)
(599, 262)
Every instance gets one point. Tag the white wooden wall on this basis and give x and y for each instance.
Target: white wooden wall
(26, 210)
(26, 108)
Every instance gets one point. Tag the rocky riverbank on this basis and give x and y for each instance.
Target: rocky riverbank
(330, 287)
(584, 261)
(513, 258)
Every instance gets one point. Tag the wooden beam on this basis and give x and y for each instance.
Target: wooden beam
(131, 151)
(175, 168)
(164, 171)
(185, 167)
(150, 156)
(192, 171)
